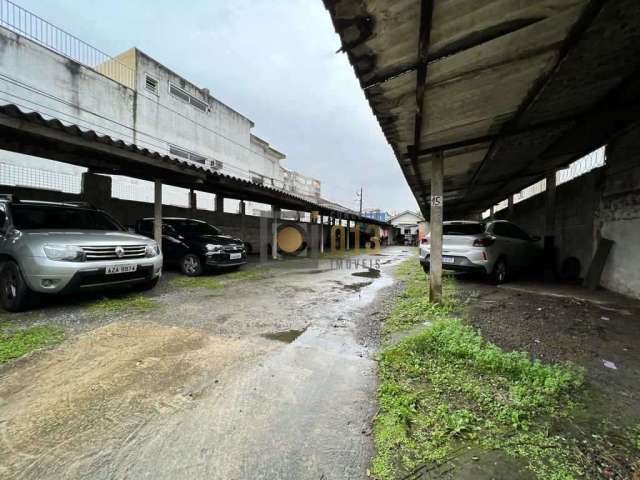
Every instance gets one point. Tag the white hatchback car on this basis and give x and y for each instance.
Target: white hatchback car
(496, 248)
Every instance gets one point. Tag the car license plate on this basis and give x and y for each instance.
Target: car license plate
(235, 256)
(448, 260)
(127, 268)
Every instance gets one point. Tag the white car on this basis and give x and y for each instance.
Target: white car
(496, 248)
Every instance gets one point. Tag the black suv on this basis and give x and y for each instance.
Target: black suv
(195, 246)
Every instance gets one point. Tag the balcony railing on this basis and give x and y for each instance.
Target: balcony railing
(29, 25)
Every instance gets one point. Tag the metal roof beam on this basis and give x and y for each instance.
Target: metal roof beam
(426, 15)
(589, 14)
(599, 111)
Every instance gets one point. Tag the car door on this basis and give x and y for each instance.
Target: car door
(173, 246)
(528, 247)
(3, 226)
(506, 244)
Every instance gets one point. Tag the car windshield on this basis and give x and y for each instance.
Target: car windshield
(462, 228)
(192, 227)
(54, 217)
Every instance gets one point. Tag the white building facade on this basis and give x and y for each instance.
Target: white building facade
(133, 98)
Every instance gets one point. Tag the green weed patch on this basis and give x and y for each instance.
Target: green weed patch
(128, 303)
(20, 342)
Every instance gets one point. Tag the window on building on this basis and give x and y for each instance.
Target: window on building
(181, 152)
(151, 84)
(198, 104)
(185, 97)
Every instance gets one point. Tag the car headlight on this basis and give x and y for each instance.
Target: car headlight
(68, 253)
(213, 248)
(152, 250)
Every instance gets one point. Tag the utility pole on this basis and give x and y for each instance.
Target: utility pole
(359, 195)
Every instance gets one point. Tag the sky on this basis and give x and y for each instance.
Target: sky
(274, 61)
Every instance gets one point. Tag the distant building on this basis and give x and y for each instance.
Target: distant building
(377, 214)
(408, 228)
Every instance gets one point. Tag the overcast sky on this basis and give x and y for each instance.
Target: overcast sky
(274, 61)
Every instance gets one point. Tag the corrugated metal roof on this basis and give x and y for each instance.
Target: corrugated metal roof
(506, 82)
(203, 178)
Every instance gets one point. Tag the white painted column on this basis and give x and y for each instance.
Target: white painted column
(435, 262)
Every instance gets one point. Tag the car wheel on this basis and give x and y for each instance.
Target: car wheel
(425, 267)
(144, 286)
(15, 295)
(191, 265)
(500, 272)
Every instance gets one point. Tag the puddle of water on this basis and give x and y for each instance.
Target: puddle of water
(310, 272)
(356, 287)
(286, 336)
(372, 273)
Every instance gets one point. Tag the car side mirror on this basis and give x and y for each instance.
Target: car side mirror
(535, 238)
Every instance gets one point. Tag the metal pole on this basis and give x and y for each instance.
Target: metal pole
(361, 201)
(157, 213)
(510, 207)
(435, 260)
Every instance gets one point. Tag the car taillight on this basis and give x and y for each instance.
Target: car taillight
(483, 242)
(424, 241)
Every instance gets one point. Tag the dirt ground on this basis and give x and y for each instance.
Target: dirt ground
(599, 331)
(266, 378)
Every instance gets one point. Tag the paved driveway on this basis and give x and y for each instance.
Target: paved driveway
(264, 378)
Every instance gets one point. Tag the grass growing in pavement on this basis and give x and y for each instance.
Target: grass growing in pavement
(247, 275)
(128, 303)
(219, 281)
(196, 282)
(445, 387)
(413, 306)
(20, 342)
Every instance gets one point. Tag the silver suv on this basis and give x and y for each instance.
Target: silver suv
(497, 248)
(65, 247)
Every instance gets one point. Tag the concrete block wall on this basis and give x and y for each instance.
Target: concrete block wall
(129, 212)
(576, 205)
(619, 214)
(604, 203)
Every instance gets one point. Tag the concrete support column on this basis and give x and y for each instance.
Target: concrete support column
(550, 226)
(321, 234)
(550, 212)
(275, 214)
(435, 261)
(242, 211)
(510, 208)
(348, 232)
(157, 212)
(193, 202)
(491, 212)
(219, 205)
(96, 189)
